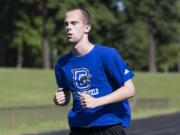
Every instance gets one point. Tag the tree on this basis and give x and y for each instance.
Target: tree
(159, 17)
(32, 28)
(135, 28)
(8, 16)
(169, 56)
(27, 30)
(43, 9)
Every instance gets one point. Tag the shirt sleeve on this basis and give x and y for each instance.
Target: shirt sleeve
(117, 69)
(58, 75)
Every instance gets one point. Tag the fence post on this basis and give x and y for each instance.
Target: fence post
(12, 118)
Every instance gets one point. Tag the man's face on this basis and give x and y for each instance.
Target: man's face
(75, 26)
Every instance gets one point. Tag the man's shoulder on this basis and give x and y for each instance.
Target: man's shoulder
(63, 59)
(104, 49)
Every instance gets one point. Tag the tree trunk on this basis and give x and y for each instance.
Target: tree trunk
(179, 66)
(20, 57)
(46, 55)
(152, 45)
(2, 55)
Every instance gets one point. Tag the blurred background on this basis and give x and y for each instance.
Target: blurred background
(146, 34)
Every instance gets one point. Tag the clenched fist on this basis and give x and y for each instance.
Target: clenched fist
(88, 101)
(59, 97)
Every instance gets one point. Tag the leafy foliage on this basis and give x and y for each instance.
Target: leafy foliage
(122, 24)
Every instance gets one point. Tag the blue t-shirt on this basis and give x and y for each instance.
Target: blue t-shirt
(97, 73)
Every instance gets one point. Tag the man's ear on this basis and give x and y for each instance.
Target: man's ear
(88, 28)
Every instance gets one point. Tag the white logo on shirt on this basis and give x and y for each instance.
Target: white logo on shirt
(126, 72)
(81, 78)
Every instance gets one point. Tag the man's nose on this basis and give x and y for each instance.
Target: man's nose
(68, 27)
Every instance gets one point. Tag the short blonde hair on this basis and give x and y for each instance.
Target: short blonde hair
(85, 13)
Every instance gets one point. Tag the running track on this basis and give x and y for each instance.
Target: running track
(159, 125)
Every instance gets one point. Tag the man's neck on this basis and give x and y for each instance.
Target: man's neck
(82, 48)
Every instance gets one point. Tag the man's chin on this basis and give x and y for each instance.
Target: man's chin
(72, 42)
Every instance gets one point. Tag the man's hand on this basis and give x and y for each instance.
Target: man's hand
(124, 92)
(59, 97)
(88, 101)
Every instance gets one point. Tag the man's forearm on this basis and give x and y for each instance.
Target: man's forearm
(120, 94)
(67, 97)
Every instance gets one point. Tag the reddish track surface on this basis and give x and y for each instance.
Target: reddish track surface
(159, 125)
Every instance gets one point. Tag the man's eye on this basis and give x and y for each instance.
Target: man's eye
(65, 24)
(74, 23)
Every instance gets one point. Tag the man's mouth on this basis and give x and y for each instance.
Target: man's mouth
(69, 35)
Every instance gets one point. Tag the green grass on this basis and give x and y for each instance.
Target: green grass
(26, 87)
(35, 87)
(158, 85)
(23, 121)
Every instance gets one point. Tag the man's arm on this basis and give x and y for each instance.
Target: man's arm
(61, 97)
(122, 93)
